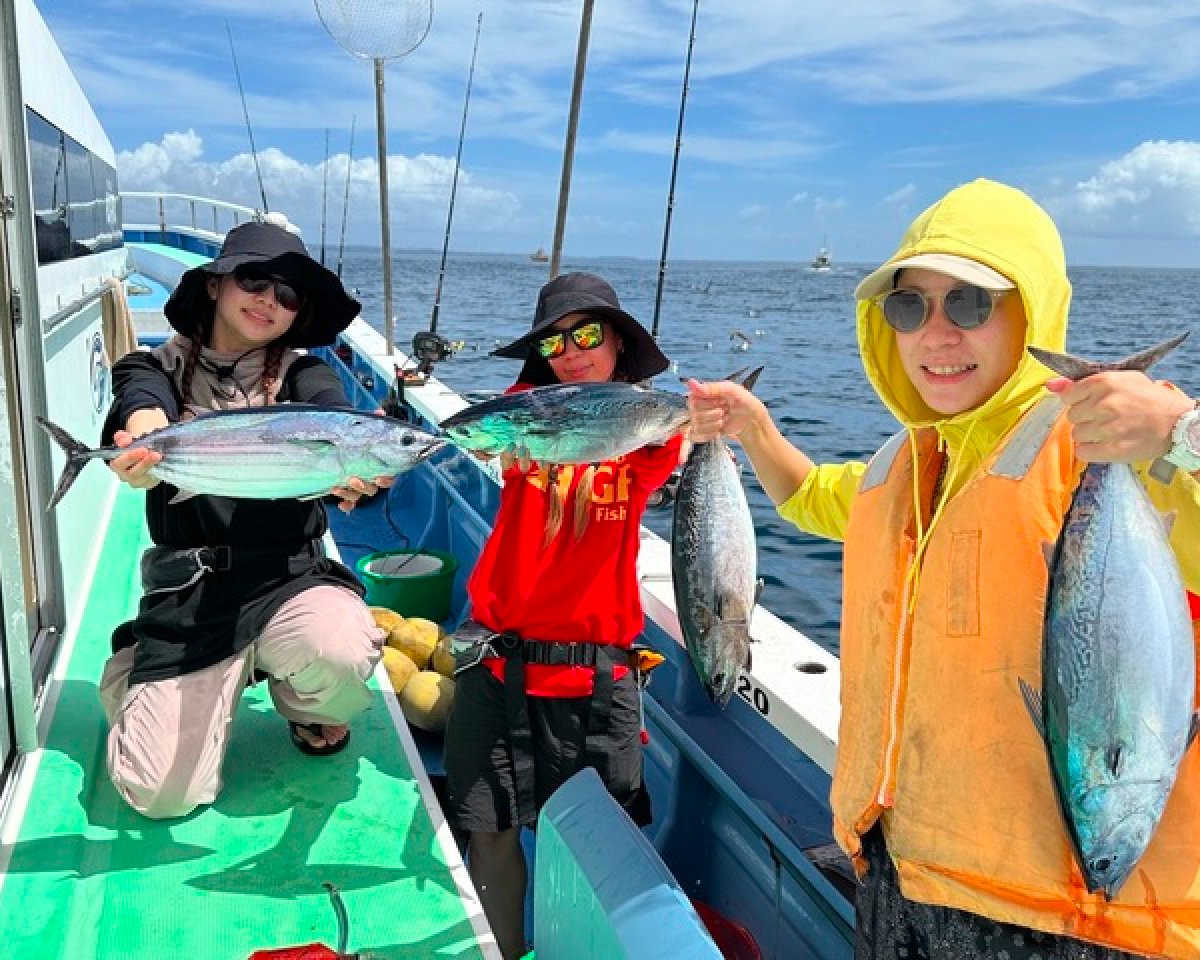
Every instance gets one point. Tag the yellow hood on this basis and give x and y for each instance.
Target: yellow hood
(1003, 228)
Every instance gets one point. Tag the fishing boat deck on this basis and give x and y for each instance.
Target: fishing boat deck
(84, 876)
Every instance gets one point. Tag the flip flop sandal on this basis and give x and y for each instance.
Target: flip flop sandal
(316, 730)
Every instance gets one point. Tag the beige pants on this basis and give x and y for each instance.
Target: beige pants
(167, 738)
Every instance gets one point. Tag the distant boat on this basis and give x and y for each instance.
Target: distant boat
(822, 260)
(539, 256)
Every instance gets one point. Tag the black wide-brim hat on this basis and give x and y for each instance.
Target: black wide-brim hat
(277, 252)
(587, 293)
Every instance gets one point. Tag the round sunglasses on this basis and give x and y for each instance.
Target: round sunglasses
(286, 295)
(966, 305)
(586, 335)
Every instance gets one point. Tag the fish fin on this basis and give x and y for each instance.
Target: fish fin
(758, 589)
(1114, 758)
(77, 456)
(318, 445)
(1033, 703)
(583, 500)
(182, 495)
(1168, 522)
(524, 460)
(1195, 729)
(1076, 368)
(746, 379)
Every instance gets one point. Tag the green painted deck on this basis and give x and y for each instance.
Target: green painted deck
(86, 877)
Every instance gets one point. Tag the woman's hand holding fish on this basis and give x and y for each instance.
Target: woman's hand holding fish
(1120, 416)
(723, 408)
(355, 489)
(133, 467)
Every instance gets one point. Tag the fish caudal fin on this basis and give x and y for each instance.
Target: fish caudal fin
(1033, 703)
(1076, 368)
(77, 455)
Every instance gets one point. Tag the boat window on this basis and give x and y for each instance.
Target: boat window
(75, 201)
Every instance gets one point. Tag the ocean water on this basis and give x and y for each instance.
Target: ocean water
(800, 326)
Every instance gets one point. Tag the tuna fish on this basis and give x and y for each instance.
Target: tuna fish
(291, 450)
(1118, 661)
(713, 567)
(569, 423)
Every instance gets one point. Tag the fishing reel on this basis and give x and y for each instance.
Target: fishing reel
(429, 348)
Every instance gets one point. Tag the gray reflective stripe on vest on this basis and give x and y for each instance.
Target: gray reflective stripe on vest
(1027, 440)
(881, 464)
(1014, 461)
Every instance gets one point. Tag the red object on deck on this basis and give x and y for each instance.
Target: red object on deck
(310, 951)
(732, 939)
(1194, 605)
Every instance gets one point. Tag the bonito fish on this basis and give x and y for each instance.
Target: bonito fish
(713, 567)
(291, 450)
(570, 423)
(1118, 661)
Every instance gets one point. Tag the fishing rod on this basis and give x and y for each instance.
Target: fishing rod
(246, 113)
(462, 132)
(564, 184)
(346, 198)
(662, 261)
(324, 193)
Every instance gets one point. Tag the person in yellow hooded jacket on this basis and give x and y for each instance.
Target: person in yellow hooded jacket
(942, 794)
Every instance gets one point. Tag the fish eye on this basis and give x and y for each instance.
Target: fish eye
(1101, 865)
(406, 439)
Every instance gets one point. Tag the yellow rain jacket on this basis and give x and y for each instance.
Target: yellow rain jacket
(942, 613)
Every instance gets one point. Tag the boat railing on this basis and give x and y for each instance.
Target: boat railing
(181, 211)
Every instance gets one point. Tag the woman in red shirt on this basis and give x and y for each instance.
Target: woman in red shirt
(560, 614)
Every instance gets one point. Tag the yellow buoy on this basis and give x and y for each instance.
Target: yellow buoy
(400, 668)
(417, 638)
(427, 699)
(443, 657)
(389, 620)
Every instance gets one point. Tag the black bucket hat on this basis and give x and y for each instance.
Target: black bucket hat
(279, 253)
(587, 293)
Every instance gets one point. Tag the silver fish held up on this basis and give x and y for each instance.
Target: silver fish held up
(714, 567)
(569, 423)
(291, 450)
(1118, 661)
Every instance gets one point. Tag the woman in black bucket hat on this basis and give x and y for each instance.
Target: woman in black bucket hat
(555, 612)
(639, 357)
(232, 586)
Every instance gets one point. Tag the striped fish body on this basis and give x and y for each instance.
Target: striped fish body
(292, 450)
(1118, 664)
(569, 423)
(714, 567)
(1116, 708)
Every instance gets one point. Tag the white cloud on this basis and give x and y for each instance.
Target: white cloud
(1155, 187)
(419, 187)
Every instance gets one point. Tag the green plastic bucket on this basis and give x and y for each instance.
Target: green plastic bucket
(414, 583)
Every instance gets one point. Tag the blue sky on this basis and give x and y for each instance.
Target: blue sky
(806, 119)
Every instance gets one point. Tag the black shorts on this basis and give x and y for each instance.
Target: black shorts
(481, 790)
(889, 927)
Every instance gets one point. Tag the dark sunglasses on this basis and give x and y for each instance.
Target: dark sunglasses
(587, 335)
(967, 306)
(286, 295)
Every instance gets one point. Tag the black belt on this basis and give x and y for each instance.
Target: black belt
(226, 558)
(168, 568)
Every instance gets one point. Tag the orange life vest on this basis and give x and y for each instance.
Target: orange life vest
(935, 740)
